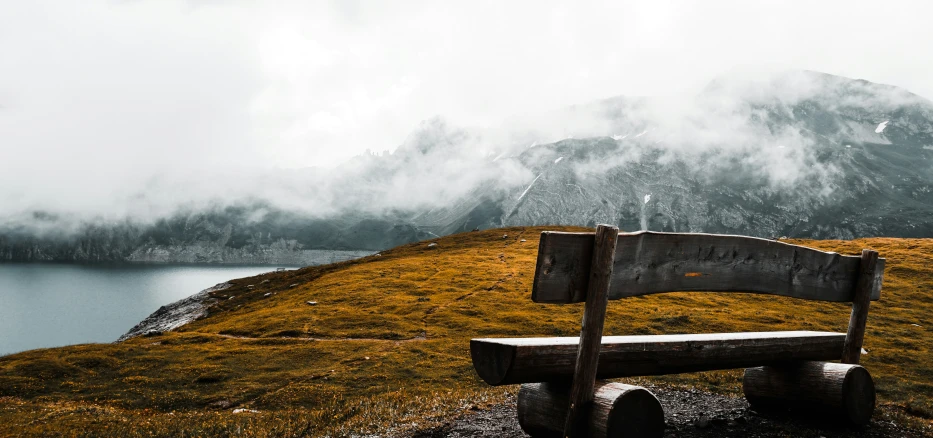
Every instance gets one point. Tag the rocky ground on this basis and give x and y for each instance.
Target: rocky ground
(174, 315)
(692, 414)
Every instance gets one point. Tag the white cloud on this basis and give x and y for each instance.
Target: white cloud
(98, 99)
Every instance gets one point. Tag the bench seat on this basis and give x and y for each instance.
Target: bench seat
(506, 361)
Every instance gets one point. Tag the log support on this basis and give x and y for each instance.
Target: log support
(617, 410)
(594, 316)
(852, 351)
(844, 392)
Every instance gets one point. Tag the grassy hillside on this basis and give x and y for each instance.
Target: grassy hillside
(386, 345)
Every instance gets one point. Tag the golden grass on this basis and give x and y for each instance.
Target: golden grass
(386, 347)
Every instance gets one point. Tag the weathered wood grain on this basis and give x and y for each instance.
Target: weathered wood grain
(649, 262)
(852, 351)
(594, 314)
(841, 391)
(506, 361)
(618, 410)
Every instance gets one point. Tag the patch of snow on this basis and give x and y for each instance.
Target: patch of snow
(781, 146)
(647, 198)
(618, 137)
(881, 127)
(862, 133)
(848, 145)
(245, 411)
(498, 157)
(528, 188)
(533, 144)
(558, 160)
(929, 148)
(643, 133)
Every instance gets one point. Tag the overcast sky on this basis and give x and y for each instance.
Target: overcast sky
(99, 93)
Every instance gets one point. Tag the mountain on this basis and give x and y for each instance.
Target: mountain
(796, 153)
(804, 154)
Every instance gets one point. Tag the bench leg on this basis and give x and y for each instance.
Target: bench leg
(843, 391)
(618, 410)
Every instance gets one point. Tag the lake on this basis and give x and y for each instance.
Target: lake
(50, 305)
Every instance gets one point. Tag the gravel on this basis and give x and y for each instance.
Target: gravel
(688, 413)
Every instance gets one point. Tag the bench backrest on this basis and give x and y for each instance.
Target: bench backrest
(650, 262)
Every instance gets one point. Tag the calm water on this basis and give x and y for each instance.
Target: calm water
(50, 305)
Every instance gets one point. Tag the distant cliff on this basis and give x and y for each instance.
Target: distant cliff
(252, 234)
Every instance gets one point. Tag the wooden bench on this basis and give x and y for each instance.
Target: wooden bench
(560, 395)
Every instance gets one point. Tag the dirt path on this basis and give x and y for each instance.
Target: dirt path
(690, 414)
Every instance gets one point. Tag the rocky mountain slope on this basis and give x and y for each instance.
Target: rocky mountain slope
(838, 159)
(799, 154)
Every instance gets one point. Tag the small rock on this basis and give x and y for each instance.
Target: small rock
(864, 351)
(505, 236)
(365, 357)
(222, 404)
(312, 303)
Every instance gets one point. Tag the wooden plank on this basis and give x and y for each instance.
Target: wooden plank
(852, 351)
(649, 262)
(506, 361)
(594, 314)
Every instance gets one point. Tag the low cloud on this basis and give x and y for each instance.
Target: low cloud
(147, 108)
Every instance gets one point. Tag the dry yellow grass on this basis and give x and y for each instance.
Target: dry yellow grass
(387, 345)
